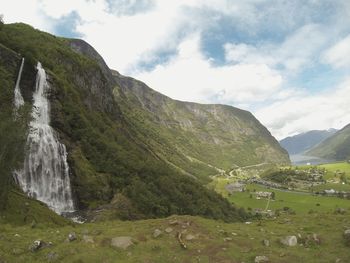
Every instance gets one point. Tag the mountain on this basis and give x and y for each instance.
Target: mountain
(198, 139)
(130, 149)
(336, 147)
(302, 142)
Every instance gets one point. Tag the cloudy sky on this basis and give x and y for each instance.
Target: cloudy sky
(285, 61)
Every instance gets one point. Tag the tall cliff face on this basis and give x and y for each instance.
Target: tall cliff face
(127, 144)
(197, 138)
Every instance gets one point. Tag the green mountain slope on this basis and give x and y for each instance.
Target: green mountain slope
(305, 141)
(199, 139)
(108, 161)
(127, 143)
(336, 147)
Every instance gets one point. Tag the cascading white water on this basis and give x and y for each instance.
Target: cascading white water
(18, 96)
(45, 175)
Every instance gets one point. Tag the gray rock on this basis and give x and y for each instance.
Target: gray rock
(173, 222)
(261, 259)
(37, 244)
(290, 241)
(346, 236)
(189, 237)
(168, 230)
(341, 211)
(157, 233)
(52, 257)
(266, 243)
(88, 239)
(123, 242)
(72, 236)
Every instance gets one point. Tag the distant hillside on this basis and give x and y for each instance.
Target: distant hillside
(335, 147)
(198, 139)
(302, 142)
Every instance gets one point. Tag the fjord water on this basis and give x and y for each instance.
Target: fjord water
(18, 96)
(300, 159)
(45, 174)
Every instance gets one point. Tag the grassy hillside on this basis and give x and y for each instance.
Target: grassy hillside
(108, 160)
(205, 240)
(336, 147)
(200, 139)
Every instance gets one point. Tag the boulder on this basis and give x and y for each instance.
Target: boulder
(37, 244)
(290, 241)
(168, 230)
(346, 236)
(173, 222)
(189, 237)
(52, 257)
(266, 243)
(261, 259)
(88, 239)
(123, 242)
(72, 236)
(157, 232)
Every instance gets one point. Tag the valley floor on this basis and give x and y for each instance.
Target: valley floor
(205, 240)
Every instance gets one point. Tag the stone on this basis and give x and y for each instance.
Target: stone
(37, 244)
(157, 233)
(88, 239)
(289, 241)
(226, 239)
(346, 236)
(266, 243)
(173, 222)
(52, 257)
(261, 259)
(72, 236)
(168, 230)
(189, 237)
(123, 242)
(341, 211)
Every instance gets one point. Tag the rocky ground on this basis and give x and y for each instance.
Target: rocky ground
(288, 238)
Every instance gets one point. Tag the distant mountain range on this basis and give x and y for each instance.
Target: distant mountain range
(335, 147)
(303, 142)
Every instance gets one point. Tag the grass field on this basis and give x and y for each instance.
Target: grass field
(243, 242)
(301, 203)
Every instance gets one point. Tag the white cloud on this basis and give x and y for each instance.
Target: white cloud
(339, 54)
(303, 112)
(26, 12)
(190, 76)
(257, 72)
(297, 50)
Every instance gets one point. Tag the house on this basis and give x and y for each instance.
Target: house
(235, 187)
(260, 195)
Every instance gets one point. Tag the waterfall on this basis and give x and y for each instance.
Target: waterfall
(45, 174)
(18, 96)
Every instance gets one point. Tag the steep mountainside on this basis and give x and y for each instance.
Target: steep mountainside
(197, 138)
(130, 149)
(302, 142)
(109, 163)
(335, 147)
